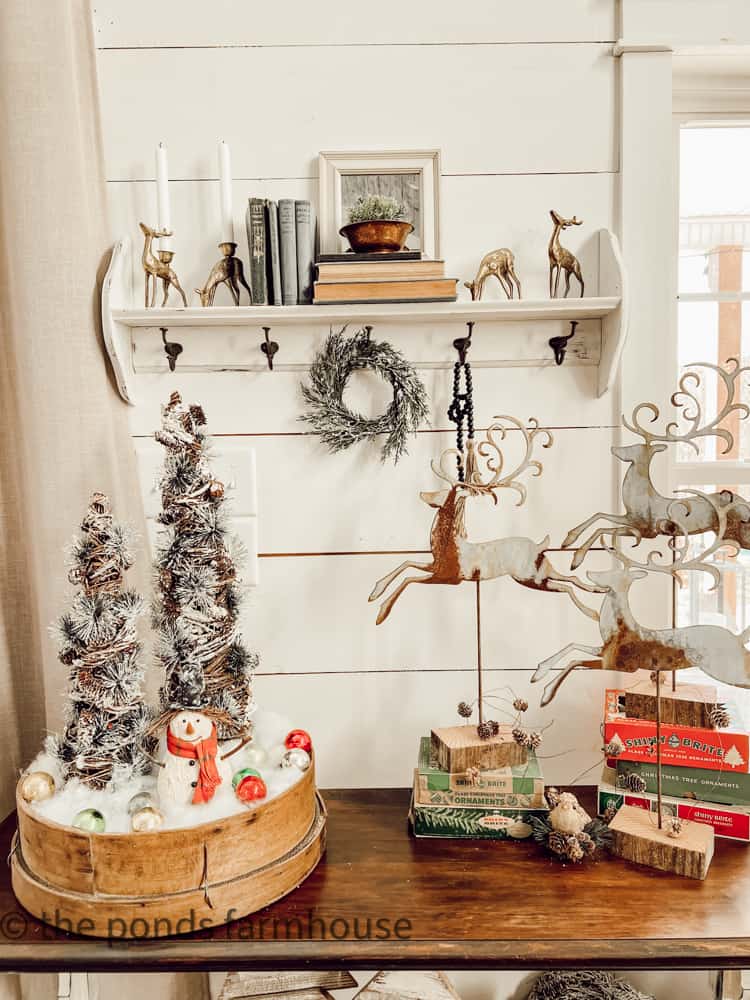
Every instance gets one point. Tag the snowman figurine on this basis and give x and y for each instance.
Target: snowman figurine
(192, 769)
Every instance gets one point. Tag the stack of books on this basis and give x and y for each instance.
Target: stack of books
(381, 277)
(476, 804)
(705, 770)
(281, 242)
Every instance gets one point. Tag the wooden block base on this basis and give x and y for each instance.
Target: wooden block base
(458, 748)
(637, 838)
(687, 705)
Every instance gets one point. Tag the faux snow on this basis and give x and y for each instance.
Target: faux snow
(269, 733)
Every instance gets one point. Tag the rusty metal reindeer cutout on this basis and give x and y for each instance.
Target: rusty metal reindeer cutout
(646, 510)
(626, 644)
(455, 559)
(561, 259)
(629, 646)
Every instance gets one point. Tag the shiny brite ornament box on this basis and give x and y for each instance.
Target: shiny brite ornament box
(684, 746)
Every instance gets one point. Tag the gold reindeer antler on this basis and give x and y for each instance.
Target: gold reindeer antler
(689, 408)
(491, 451)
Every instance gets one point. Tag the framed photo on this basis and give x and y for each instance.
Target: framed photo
(410, 176)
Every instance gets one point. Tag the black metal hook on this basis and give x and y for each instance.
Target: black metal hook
(269, 347)
(171, 348)
(560, 344)
(462, 344)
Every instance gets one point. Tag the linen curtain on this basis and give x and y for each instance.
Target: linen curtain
(64, 428)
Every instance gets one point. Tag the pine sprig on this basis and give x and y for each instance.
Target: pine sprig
(338, 426)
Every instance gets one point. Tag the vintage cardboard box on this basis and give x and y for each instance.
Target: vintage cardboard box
(729, 787)
(684, 746)
(730, 822)
(518, 787)
(471, 824)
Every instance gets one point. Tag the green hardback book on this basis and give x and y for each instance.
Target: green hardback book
(728, 787)
(520, 787)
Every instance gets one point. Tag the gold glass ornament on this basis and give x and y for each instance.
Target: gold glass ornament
(141, 800)
(37, 786)
(147, 820)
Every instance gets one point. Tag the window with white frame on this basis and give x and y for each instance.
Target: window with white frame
(714, 325)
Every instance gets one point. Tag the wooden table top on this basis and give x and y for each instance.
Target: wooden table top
(381, 899)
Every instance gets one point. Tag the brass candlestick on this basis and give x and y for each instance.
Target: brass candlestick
(158, 268)
(229, 271)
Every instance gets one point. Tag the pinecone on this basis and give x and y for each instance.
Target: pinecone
(464, 710)
(610, 812)
(520, 704)
(718, 716)
(573, 849)
(557, 843)
(494, 726)
(527, 739)
(587, 844)
(484, 731)
(633, 782)
(612, 749)
(652, 676)
(674, 826)
(553, 796)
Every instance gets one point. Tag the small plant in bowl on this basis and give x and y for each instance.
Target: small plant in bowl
(376, 225)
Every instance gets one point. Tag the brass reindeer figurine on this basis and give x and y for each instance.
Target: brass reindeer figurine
(454, 558)
(227, 270)
(158, 268)
(501, 263)
(560, 258)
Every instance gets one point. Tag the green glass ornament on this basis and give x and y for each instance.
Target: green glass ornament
(90, 820)
(246, 772)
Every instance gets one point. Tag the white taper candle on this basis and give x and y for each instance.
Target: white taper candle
(225, 194)
(162, 196)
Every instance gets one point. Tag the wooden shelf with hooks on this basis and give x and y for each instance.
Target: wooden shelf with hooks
(120, 318)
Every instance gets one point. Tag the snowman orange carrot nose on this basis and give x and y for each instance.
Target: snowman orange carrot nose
(189, 729)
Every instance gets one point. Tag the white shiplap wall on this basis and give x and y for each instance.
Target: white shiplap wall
(523, 108)
(531, 111)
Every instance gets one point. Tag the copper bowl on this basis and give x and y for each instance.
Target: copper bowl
(377, 236)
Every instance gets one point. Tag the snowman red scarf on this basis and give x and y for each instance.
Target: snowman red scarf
(204, 751)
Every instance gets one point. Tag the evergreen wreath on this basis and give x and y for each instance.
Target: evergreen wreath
(338, 426)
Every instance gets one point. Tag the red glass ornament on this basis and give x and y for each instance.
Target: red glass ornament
(299, 738)
(251, 789)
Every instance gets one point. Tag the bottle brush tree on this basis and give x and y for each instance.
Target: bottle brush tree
(105, 734)
(207, 667)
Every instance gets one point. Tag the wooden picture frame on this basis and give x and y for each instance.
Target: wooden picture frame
(335, 167)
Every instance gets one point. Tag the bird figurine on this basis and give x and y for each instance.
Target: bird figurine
(568, 816)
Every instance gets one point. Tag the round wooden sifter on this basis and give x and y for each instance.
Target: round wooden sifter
(142, 885)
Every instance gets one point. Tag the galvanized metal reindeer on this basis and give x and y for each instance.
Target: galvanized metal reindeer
(646, 510)
(629, 646)
(454, 558)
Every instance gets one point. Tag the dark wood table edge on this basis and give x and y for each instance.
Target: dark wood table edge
(172, 955)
